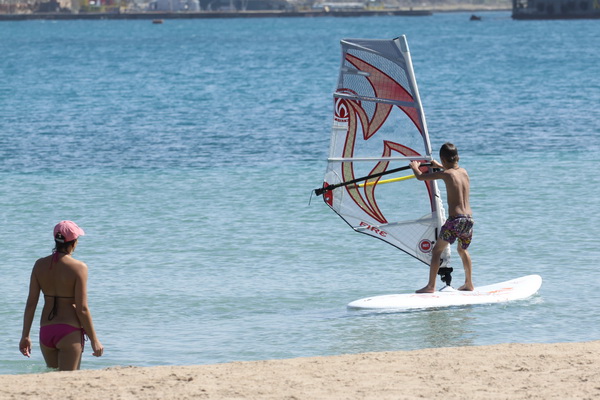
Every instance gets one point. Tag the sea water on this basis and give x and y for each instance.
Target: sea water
(188, 152)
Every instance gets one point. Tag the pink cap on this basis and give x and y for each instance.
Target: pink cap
(67, 231)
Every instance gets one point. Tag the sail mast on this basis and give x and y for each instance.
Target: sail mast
(402, 44)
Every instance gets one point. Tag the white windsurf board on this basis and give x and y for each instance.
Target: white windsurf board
(516, 289)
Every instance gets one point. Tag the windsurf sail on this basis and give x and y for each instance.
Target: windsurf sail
(378, 128)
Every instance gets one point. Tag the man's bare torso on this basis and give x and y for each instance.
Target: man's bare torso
(457, 189)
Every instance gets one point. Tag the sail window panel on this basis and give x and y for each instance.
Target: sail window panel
(362, 84)
(384, 47)
(398, 129)
(398, 201)
(357, 85)
(402, 201)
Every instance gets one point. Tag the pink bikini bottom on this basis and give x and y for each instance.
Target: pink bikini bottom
(50, 335)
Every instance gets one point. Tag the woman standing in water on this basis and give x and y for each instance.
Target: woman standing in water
(66, 317)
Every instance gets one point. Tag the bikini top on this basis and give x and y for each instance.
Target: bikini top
(54, 308)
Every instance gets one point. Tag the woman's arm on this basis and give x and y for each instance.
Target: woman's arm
(83, 311)
(30, 306)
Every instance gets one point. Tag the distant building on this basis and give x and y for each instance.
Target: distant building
(555, 9)
(339, 6)
(244, 5)
(98, 6)
(55, 6)
(174, 5)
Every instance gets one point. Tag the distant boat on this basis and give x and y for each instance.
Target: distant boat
(157, 21)
(475, 18)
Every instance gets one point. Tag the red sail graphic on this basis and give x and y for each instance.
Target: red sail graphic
(383, 87)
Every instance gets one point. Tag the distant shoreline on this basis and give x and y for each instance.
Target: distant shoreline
(234, 14)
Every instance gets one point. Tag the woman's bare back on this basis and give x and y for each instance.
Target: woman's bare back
(57, 277)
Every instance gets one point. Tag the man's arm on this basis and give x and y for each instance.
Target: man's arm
(415, 166)
(435, 164)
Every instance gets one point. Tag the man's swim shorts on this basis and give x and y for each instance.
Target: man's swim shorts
(458, 227)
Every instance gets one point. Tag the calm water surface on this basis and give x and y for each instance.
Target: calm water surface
(188, 150)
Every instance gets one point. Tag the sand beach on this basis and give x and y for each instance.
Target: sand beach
(505, 371)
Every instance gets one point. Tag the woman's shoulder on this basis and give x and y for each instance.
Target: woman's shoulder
(40, 262)
(77, 265)
(46, 258)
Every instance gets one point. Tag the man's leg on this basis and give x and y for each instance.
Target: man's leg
(436, 253)
(466, 260)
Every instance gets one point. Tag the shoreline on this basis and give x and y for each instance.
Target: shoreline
(515, 371)
(415, 12)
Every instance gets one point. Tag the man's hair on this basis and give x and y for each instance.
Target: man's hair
(449, 152)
